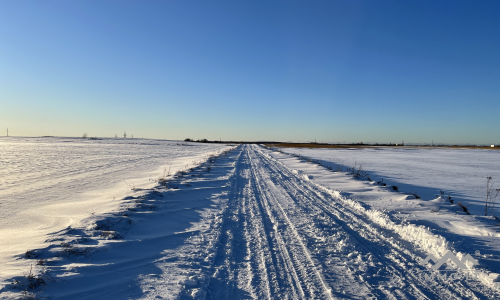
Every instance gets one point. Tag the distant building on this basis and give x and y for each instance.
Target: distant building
(492, 146)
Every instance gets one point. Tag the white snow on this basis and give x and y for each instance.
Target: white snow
(49, 184)
(255, 223)
(459, 172)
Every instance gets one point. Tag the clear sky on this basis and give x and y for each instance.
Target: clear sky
(372, 71)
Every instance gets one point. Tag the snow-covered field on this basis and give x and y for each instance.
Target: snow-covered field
(255, 223)
(425, 171)
(48, 184)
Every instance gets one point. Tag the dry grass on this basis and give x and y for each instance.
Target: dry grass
(473, 147)
(310, 145)
(68, 250)
(345, 146)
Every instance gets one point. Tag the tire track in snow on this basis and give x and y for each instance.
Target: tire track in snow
(283, 237)
(396, 254)
(308, 200)
(241, 249)
(295, 242)
(278, 258)
(249, 228)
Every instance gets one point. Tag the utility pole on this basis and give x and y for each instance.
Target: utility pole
(125, 135)
(7, 131)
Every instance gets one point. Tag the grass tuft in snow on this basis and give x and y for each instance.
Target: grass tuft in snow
(491, 197)
(464, 207)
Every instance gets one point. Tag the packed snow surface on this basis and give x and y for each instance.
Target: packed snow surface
(256, 223)
(48, 184)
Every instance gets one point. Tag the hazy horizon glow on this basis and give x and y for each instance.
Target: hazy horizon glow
(350, 71)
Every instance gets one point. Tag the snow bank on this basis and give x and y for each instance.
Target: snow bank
(420, 235)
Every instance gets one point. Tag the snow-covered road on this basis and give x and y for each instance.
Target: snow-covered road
(247, 226)
(284, 237)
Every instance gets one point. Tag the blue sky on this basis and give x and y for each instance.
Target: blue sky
(372, 71)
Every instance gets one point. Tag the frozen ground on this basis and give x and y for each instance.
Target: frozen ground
(254, 223)
(48, 184)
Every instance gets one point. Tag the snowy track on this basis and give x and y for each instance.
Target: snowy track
(283, 237)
